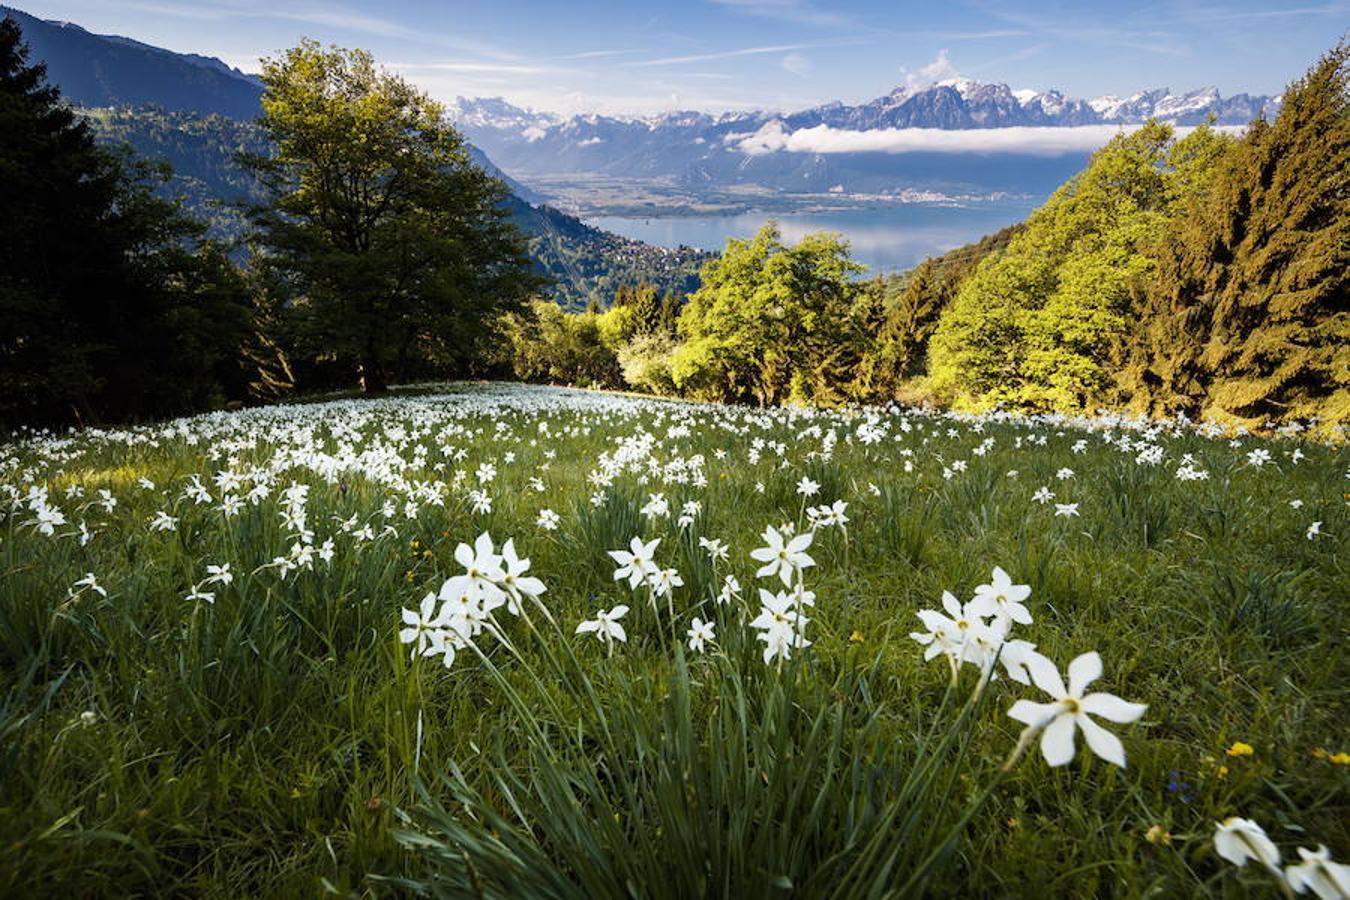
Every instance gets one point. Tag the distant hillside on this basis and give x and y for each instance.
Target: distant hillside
(588, 262)
(107, 70)
(196, 113)
(583, 262)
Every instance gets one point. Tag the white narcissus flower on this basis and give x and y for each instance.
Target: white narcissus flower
(779, 624)
(444, 643)
(657, 507)
(945, 635)
(89, 581)
(421, 623)
(605, 625)
(839, 510)
(1328, 880)
(783, 555)
(482, 571)
(220, 574)
(635, 564)
(1238, 840)
(700, 632)
(778, 642)
(1016, 657)
(664, 582)
(162, 521)
(514, 580)
(776, 611)
(1071, 711)
(715, 548)
(1002, 599)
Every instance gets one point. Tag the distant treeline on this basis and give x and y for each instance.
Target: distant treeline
(1206, 275)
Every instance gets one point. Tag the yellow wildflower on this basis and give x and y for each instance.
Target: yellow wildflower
(1240, 749)
(1159, 835)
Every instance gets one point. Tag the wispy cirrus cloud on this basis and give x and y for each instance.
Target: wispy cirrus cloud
(1222, 14)
(1070, 29)
(988, 35)
(998, 63)
(323, 15)
(741, 51)
(802, 12)
(599, 54)
(484, 68)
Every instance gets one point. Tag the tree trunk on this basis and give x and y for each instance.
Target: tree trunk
(372, 373)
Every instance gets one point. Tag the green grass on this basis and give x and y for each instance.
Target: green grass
(280, 741)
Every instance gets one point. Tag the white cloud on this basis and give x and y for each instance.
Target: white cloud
(937, 70)
(772, 137)
(590, 142)
(796, 64)
(486, 68)
(722, 54)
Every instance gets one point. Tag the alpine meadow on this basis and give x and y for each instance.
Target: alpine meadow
(388, 510)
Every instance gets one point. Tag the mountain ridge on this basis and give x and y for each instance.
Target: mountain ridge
(112, 70)
(979, 105)
(704, 150)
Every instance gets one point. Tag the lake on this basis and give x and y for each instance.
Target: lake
(886, 239)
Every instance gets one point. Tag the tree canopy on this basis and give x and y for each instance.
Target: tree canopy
(771, 323)
(395, 248)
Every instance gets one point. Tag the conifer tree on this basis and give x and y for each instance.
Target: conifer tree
(111, 305)
(1250, 310)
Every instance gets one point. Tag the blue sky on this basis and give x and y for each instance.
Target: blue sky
(612, 56)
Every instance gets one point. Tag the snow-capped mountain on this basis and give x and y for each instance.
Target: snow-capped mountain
(1190, 108)
(702, 149)
(495, 113)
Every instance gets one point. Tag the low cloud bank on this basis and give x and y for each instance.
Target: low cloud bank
(772, 137)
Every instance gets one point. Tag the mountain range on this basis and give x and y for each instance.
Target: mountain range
(695, 149)
(197, 113)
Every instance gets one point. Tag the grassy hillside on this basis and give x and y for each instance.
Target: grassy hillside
(206, 685)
